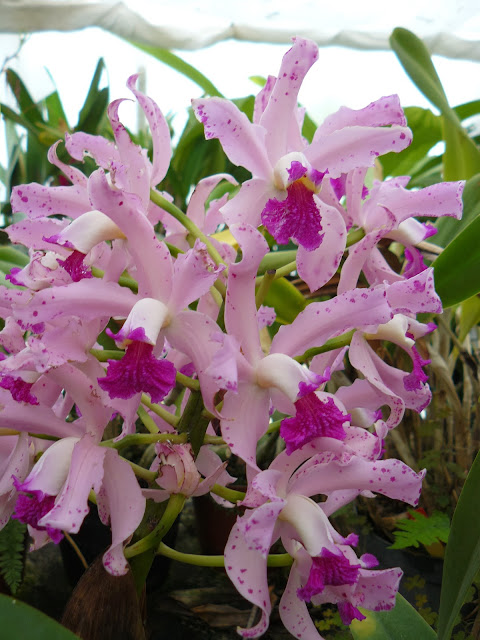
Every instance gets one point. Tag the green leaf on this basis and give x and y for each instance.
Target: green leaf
(415, 59)
(401, 623)
(420, 529)
(457, 268)
(461, 158)
(468, 109)
(175, 62)
(10, 114)
(286, 299)
(19, 620)
(462, 555)
(94, 107)
(449, 228)
(24, 100)
(469, 316)
(12, 553)
(56, 114)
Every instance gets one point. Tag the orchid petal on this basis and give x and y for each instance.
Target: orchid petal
(121, 502)
(354, 147)
(242, 141)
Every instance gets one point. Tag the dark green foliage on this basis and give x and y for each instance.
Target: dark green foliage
(12, 553)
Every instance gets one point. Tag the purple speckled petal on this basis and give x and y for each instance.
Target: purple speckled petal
(38, 201)
(321, 321)
(329, 568)
(385, 111)
(348, 613)
(242, 141)
(86, 473)
(31, 508)
(246, 565)
(314, 418)
(317, 267)
(120, 502)
(159, 130)
(19, 389)
(137, 371)
(296, 217)
(293, 611)
(75, 267)
(278, 118)
(354, 147)
(240, 308)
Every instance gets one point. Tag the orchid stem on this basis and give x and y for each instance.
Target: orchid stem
(153, 539)
(228, 494)
(184, 220)
(335, 343)
(140, 472)
(286, 270)
(160, 411)
(265, 283)
(76, 548)
(147, 420)
(185, 381)
(103, 355)
(273, 560)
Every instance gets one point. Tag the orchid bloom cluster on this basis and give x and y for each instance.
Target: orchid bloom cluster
(112, 258)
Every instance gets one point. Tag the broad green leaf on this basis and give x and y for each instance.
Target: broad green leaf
(468, 109)
(462, 555)
(10, 114)
(172, 60)
(461, 159)
(24, 100)
(19, 620)
(286, 299)
(449, 228)
(401, 623)
(469, 316)
(427, 131)
(56, 114)
(415, 59)
(309, 128)
(457, 268)
(92, 107)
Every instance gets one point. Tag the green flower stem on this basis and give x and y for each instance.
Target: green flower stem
(149, 438)
(273, 560)
(160, 411)
(123, 281)
(185, 381)
(354, 236)
(228, 494)
(286, 270)
(187, 223)
(103, 355)
(274, 426)
(153, 539)
(140, 472)
(335, 343)
(265, 282)
(193, 422)
(276, 260)
(147, 420)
